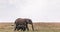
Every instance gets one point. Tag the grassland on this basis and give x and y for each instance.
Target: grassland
(38, 27)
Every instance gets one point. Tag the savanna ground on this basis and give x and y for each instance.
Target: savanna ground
(38, 27)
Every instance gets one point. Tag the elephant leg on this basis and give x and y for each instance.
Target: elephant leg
(27, 27)
(32, 27)
(24, 29)
(15, 28)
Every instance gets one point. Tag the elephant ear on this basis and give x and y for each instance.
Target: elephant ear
(29, 21)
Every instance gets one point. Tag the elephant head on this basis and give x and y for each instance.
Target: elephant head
(29, 21)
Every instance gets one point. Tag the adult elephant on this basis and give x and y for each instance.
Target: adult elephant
(25, 22)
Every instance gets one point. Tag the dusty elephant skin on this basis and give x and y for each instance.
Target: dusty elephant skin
(25, 22)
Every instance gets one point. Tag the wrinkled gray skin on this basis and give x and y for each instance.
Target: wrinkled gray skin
(25, 22)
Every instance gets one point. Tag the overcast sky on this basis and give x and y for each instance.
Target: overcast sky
(37, 10)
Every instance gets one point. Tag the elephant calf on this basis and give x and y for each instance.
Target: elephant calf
(21, 27)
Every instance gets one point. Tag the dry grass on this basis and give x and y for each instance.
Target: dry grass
(39, 27)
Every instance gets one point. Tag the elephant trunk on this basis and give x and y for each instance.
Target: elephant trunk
(32, 27)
